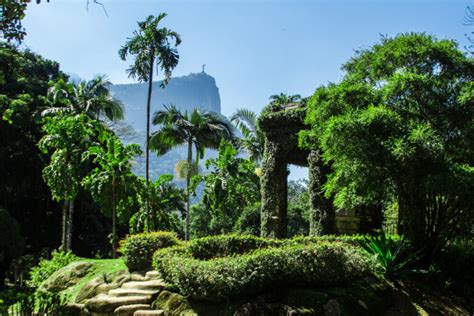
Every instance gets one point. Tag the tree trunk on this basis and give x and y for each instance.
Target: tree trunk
(147, 142)
(69, 226)
(114, 223)
(188, 182)
(64, 225)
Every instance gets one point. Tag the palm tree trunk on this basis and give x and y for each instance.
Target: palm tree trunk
(114, 222)
(69, 226)
(188, 181)
(147, 151)
(64, 225)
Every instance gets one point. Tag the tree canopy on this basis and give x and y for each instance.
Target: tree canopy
(399, 127)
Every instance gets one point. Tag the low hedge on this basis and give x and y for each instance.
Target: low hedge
(138, 249)
(225, 245)
(320, 264)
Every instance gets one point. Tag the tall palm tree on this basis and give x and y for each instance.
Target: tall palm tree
(151, 45)
(92, 98)
(252, 138)
(201, 129)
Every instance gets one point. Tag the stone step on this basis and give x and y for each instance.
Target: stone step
(158, 312)
(144, 285)
(132, 292)
(129, 310)
(138, 277)
(107, 304)
(152, 274)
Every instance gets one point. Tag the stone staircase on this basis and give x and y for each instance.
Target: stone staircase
(133, 298)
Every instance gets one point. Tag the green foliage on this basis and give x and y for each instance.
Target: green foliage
(149, 43)
(456, 268)
(66, 137)
(25, 301)
(92, 98)
(112, 182)
(165, 202)
(199, 129)
(138, 249)
(232, 276)
(248, 222)
(230, 187)
(391, 254)
(227, 245)
(10, 23)
(47, 267)
(252, 139)
(399, 127)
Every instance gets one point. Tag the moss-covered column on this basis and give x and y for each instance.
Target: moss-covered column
(274, 188)
(322, 215)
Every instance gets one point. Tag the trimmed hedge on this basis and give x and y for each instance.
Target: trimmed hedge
(138, 249)
(226, 245)
(320, 264)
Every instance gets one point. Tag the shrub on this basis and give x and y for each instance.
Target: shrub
(46, 268)
(225, 245)
(393, 256)
(456, 267)
(138, 249)
(317, 265)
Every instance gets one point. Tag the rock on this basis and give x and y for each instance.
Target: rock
(152, 274)
(127, 310)
(145, 285)
(132, 292)
(149, 313)
(102, 285)
(173, 304)
(138, 277)
(66, 277)
(332, 308)
(106, 304)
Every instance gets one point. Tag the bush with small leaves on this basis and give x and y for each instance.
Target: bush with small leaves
(138, 249)
(241, 272)
(46, 268)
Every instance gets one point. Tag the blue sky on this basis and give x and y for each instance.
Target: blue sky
(253, 48)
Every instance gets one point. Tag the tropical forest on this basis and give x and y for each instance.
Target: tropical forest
(207, 157)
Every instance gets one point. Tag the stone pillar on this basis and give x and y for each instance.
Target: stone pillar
(322, 213)
(274, 189)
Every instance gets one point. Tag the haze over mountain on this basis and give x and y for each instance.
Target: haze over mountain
(186, 92)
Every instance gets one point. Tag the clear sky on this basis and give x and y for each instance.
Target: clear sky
(253, 48)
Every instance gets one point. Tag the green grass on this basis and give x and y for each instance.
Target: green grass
(100, 267)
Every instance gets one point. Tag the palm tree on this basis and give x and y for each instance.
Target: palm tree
(151, 45)
(252, 141)
(92, 98)
(201, 129)
(112, 181)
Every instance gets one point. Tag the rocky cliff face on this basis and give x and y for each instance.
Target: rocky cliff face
(186, 92)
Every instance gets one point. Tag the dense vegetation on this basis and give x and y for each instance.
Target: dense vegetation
(395, 135)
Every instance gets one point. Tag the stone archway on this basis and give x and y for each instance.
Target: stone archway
(280, 127)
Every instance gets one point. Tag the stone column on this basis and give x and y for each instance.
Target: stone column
(322, 213)
(274, 188)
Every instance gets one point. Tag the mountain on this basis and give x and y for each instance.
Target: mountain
(186, 92)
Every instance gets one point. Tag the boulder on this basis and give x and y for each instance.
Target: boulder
(65, 277)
